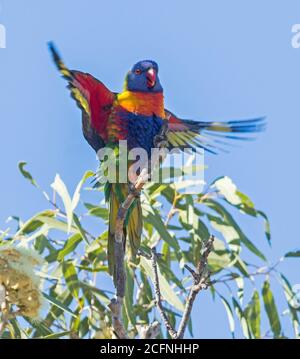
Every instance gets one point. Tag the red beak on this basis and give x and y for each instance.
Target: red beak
(151, 78)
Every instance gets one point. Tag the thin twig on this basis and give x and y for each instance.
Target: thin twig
(201, 281)
(260, 271)
(158, 298)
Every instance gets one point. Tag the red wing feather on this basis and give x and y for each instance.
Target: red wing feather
(94, 99)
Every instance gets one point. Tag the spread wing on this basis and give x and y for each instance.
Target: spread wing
(93, 98)
(211, 136)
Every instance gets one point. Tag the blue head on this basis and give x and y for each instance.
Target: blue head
(143, 77)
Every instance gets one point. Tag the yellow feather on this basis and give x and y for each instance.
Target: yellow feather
(83, 102)
(171, 139)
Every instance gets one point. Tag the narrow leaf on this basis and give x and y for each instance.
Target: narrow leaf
(59, 186)
(229, 315)
(167, 292)
(252, 313)
(26, 174)
(293, 254)
(271, 309)
(58, 304)
(71, 278)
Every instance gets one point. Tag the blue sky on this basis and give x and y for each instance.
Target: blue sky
(218, 60)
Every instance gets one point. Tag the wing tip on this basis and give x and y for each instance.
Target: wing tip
(58, 60)
(54, 52)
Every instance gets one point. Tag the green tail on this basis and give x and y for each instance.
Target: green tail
(116, 194)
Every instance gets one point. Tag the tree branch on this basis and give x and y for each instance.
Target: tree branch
(158, 298)
(115, 307)
(200, 281)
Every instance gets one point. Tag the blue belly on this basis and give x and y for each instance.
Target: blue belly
(141, 130)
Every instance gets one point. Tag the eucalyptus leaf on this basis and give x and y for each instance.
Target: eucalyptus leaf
(271, 309)
(166, 290)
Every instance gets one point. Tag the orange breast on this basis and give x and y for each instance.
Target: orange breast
(141, 103)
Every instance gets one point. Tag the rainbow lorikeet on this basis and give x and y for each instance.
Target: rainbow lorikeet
(137, 114)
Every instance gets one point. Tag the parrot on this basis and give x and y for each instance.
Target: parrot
(137, 114)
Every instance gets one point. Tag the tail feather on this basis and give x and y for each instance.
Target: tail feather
(132, 228)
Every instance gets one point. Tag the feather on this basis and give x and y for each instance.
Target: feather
(93, 98)
(210, 136)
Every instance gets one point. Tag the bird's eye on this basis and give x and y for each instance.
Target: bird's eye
(138, 71)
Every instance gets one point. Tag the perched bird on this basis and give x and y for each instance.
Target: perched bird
(137, 114)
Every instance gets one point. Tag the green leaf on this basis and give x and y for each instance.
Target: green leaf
(71, 278)
(69, 246)
(62, 296)
(41, 243)
(56, 224)
(43, 231)
(57, 335)
(98, 292)
(34, 223)
(267, 225)
(220, 257)
(252, 313)
(246, 203)
(241, 266)
(271, 309)
(26, 174)
(226, 216)
(80, 228)
(233, 196)
(84, 327)
(241, 315)
(167, 292)
(59, 304)
(169, 274)
(190, 327)
(145, 292)
(129, 294)
(155, 219)
(97, 211)
(253, 248)
(229, 315)
(229, 232)
(39, 326)
(14, 329)
(293, 303)
(293, 254)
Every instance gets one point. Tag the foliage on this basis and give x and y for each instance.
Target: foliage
(77, 287)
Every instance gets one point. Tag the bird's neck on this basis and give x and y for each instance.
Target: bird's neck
(142, 103)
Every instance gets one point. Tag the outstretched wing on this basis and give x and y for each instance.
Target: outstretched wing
(94, 99)
(211, 136)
